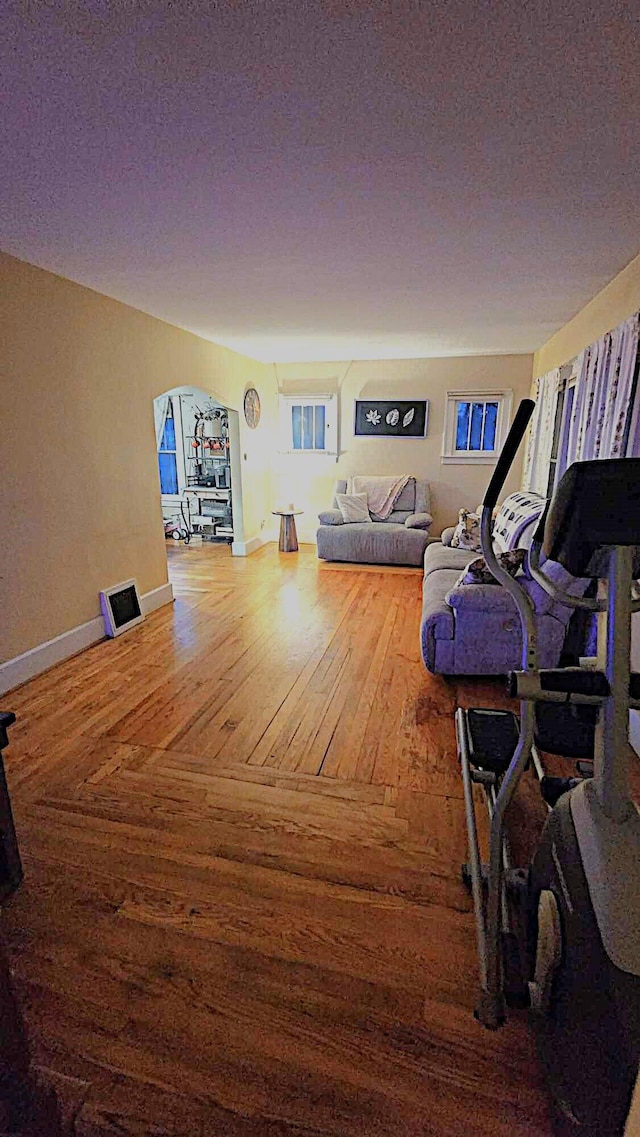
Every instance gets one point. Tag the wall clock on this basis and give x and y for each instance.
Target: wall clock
(252, 407)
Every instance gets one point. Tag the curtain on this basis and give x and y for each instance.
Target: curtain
(603, 404)
(160, 408)
(633, 446)
(539, 446)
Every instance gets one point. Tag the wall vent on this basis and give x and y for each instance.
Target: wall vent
(121, 607)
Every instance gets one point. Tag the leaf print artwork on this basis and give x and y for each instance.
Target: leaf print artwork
(391, 418)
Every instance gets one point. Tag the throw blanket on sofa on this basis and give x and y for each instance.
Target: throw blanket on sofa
(516, 513)
(382, 493)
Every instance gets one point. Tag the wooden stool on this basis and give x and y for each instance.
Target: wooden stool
(288, 542)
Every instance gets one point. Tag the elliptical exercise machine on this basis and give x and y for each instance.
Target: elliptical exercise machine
(564, 936)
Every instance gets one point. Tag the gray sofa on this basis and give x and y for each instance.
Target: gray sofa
(475, 629)
(394, 541)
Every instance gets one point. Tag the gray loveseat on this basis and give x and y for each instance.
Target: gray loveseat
(389, 542)
(474, 629)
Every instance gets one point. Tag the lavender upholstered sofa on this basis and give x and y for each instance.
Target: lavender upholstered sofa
(474, 629)
(389, 542)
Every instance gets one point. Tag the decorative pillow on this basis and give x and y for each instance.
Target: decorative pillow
(478, 572)
(467, 532)
(517, 512)
(331, 517)
(353, 506)
(419, 521)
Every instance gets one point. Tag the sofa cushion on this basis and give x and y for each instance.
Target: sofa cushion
(397, 517)
(382, 490)
(372, 543)
(353, 507)
(407, 498)
(435, 604)
(481, 600)
(331, 517)
(437, 617)
(438, 557)
(419, 521)
(415, 497)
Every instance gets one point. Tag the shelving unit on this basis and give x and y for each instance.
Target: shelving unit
(212, 516)
(209, 486)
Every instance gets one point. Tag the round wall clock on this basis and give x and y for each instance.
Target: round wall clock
(252, 407)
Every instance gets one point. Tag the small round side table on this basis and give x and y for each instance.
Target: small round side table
(288, 542)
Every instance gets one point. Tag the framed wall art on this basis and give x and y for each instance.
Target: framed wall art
(386, 418)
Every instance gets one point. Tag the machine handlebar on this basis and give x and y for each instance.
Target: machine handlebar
(509, 451)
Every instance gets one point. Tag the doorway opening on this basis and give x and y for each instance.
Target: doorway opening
(197, 440)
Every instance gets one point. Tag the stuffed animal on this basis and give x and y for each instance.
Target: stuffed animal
(478, 572)
(467, 532)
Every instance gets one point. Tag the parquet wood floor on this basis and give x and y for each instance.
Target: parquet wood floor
(242, 828)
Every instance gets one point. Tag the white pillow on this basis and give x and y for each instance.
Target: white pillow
(353, 506)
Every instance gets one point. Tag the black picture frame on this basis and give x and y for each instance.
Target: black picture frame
(391, 418)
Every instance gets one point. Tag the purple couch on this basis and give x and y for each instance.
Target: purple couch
(474, 629)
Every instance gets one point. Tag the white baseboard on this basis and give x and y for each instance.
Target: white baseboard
(40, 658)
(246, 548)
(307, 536)
(634, 730)
(157, 598)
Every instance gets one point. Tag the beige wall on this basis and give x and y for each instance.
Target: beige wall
(78, 465)
(309, 481)
(620, 298)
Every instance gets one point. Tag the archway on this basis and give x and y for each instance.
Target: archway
(198, 446)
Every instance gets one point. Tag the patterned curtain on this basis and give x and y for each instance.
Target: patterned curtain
(603, 404)
(633, 445)
(538, 456)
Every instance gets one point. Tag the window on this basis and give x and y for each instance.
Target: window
(562, 424)
(308, 424)
(171, 450)
(475, 425)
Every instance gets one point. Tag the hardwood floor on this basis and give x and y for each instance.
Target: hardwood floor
(242, 829)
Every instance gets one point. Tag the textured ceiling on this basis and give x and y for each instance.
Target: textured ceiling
(307, 180)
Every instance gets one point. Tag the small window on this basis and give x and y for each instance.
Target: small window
(308, 424)
(171, 447)
(475, 425)
(167, 454)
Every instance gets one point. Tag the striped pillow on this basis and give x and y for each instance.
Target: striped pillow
(516, 513)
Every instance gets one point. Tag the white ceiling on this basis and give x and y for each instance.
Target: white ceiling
(306, 180)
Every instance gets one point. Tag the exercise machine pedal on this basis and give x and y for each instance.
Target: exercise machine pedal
(552, 788)
(491, 738)
(566, 728)
(514, 983)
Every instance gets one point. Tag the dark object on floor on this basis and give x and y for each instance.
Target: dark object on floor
(566, 728)
(10, 863)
